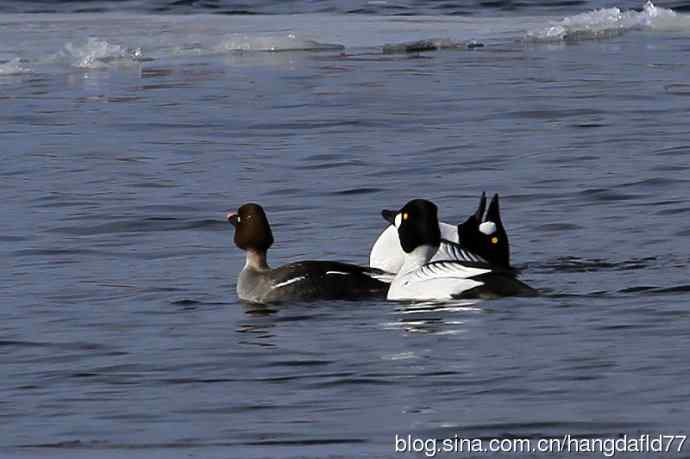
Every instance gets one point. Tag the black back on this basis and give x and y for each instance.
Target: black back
(326, 280)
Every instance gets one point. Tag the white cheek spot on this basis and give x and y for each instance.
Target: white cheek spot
(238, 219)
(398, 220)
(488, 228)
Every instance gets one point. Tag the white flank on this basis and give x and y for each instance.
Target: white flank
(432, 281)
(408, 287)
(337, 272)
(447, 270)
(289, 281)
(387, 255)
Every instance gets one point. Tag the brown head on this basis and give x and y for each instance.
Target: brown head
(252, 230)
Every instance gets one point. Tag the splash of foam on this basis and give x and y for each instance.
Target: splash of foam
(290, 42)
(13, 67)
(96, 53)
(609, 22)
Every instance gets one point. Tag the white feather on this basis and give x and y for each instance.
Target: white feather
(427, 286)
(450, 269)
(383, 277)
(387, 255)
(289, 281)
(449, 251)
(420, 280)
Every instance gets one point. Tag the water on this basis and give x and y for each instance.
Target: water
(364, 7)
(127, 136)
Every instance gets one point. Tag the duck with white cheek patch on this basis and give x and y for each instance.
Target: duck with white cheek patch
(301, 281)
(419, 278)
(480, 238)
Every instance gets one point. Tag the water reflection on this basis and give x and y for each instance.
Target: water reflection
(434, 317)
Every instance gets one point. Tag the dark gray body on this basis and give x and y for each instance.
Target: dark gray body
(311, 280)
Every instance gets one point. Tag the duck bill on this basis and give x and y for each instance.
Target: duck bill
(232, 218)
(389, 216)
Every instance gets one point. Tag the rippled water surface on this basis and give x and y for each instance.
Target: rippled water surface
(384, 7)
(126, 138)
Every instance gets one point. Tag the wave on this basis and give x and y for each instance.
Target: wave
(610, 22)
(14, 67)
(393, 8)
(289, 42)
(96, 53)
(119, 41)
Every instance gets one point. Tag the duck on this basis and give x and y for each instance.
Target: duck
(482, 237)
(422, 278)
(301, 281)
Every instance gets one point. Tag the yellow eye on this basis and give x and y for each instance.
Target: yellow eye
(405, 215)
(494, 240)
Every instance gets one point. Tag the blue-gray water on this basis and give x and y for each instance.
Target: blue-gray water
(384, 7)
(126, 138)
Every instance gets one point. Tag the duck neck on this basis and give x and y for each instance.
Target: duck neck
(256, 260)
(418, 257)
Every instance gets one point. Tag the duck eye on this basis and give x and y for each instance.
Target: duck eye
(405, 216)
(494, 240)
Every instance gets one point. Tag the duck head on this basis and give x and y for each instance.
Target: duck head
(485, 235)
(417, 225)
(252, 230)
